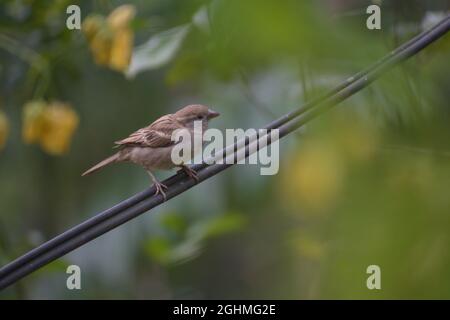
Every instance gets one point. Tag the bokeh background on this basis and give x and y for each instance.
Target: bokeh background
(367, 183)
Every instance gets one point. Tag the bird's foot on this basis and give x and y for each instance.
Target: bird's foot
(160, 187)
(190, 173)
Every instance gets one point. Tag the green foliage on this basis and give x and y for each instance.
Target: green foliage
(159, 50)
(184, 240)
(365, 184)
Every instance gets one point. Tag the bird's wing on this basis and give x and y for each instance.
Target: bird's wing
(156, 135)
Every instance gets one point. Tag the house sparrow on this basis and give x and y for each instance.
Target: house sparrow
(151, 147)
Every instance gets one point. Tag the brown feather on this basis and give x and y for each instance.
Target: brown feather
(111, 159)
(156, 135)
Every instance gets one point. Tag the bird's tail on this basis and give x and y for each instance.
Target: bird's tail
(102, 164)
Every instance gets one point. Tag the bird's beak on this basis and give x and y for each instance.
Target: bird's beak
(212, 114)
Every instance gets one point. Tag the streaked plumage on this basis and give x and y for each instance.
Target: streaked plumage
(158, 134)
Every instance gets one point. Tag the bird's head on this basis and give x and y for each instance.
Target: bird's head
(195, 112)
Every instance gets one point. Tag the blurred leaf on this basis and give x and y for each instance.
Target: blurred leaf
(158, 249)
(185, 68)
(201, 19)
(57, 266)
(222, 225)
(175, 223)
(308, 246)
(165, 251)
(157, 51)
(186, 250)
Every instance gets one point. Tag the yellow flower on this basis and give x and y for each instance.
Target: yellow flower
(111, 39)
(91, 25)
(4, 129)
(314, 178)
(121, 16)
(121, 50)
(59, 125)
(51, 125)
(101, 46)
(33, 121)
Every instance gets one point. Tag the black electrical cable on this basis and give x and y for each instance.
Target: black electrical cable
(143, 201)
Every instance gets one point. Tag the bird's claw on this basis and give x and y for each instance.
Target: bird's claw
(160, 187)
(191, 173)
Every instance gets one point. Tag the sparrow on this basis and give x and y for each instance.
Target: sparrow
(151, 146)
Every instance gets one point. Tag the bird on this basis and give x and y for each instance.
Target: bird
(151, 146)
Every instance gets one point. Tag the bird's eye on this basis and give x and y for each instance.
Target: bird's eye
(199, 117)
